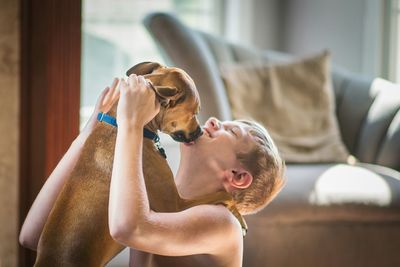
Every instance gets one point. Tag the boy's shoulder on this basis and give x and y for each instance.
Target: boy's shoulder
(221, 217)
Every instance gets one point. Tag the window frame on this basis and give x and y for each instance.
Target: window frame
(49, 95)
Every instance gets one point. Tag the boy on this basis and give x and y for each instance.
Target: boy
(236, 156)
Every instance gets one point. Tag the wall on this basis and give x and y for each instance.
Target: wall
(351, 30)
(9, 119)
(254, 22)
(312, 25)
(268, 27)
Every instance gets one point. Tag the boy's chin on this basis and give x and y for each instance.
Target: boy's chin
(196, 143)
(185, 146)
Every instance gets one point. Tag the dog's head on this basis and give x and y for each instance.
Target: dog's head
(179, 99)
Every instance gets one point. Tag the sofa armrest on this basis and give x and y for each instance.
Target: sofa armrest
(368, 112)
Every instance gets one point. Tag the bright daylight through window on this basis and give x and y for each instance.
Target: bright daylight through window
(114, 38)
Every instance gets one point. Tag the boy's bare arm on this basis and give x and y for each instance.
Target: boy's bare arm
(198, 230)
(204, 229)
(41, 207)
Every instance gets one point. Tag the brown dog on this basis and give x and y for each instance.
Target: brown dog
(76, 232)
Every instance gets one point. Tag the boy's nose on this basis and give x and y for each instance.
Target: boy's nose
(214, 123)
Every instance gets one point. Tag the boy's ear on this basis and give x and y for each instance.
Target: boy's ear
(240, 179)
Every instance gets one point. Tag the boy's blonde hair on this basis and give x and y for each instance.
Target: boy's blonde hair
(267, 167)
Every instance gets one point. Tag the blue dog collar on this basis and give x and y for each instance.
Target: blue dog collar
(103, 117)
(107, 118)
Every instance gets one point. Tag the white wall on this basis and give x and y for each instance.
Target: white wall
(350, 29)
(342, 26)
(268, 26)
(254, 22)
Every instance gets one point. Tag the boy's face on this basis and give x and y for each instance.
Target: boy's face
(221, 141)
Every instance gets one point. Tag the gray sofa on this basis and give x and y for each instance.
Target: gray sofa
(327, 214)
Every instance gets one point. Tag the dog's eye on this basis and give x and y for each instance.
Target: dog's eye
(180, 100)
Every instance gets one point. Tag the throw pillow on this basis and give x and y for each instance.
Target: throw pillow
(295, 103)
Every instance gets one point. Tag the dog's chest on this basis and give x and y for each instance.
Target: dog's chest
(161, 189)
(100, 148)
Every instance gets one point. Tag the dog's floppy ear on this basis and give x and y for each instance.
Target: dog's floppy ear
(166, 94)
(143, 68)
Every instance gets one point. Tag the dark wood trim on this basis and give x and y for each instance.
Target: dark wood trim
(50, 93)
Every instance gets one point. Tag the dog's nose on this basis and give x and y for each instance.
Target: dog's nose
(196, 134)
(181, 137)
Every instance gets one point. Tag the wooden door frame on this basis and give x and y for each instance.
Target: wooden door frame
(49, 94)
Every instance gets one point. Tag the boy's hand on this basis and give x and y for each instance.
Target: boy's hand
(137, 105)
(104, 103)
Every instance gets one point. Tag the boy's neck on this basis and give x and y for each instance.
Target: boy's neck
(197, 181)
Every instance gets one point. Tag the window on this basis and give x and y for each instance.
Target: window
(114, 38)
(394, 39)
(391, 43)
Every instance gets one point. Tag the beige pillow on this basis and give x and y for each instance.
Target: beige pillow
(294, 101)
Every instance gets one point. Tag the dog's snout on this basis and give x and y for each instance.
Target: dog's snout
(196, 134)
(180, 136)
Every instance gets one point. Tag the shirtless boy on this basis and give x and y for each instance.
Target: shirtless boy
(236, 156)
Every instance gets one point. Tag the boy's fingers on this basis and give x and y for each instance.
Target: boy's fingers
(114, 86)
(103, 97)
(157, 104)
(132, 80)
(141, 79)
(115, 94)
(114, 83)
(104, 92)
(123, 86)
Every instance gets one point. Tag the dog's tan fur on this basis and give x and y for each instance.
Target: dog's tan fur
(76, 232)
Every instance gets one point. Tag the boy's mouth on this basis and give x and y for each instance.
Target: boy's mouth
(207, 132)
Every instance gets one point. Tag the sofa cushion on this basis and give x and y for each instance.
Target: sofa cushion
(329, 215)
(294, 101)
(326, 193)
